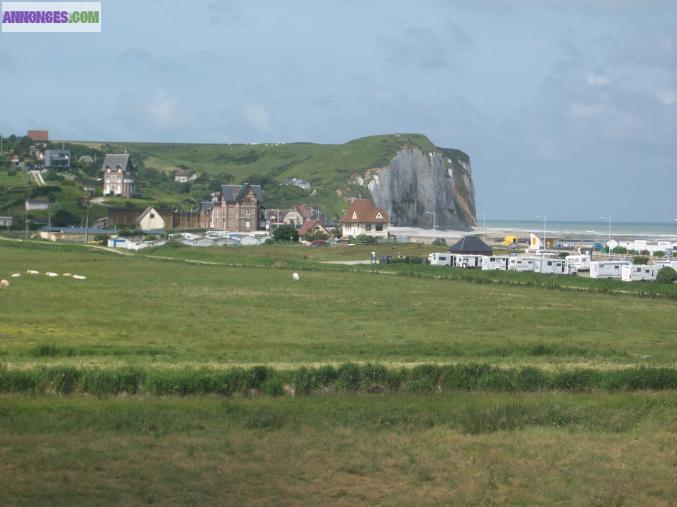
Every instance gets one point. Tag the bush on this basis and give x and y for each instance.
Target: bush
(363, 239)
(640, 260)
(285, 233)
(666, 275)
(440, 242)
(101, 239)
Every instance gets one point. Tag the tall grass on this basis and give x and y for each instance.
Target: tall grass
(348, 378)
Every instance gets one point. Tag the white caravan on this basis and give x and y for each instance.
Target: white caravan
(495, 263)
(666, 263)
(467, 261)
(607, 269)
(439, 259)
(522, 263)
(581, 262)
(554, 266)
(639, 272)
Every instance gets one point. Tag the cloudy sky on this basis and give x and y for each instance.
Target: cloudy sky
(566, 107)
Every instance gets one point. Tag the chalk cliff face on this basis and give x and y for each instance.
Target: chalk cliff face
(418, 188)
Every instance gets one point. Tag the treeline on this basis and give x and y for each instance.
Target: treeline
(346, 378)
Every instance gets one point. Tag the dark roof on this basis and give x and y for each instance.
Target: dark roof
(233, 193)
(363, 211)
(470, 245)
(206, 205)
(115, 160)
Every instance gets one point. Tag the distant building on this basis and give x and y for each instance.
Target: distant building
(155, 219)
(58, 159)
(38, 136)
(125, 217)
(364, 218)
(6, 221)
(298, 182)
(238, 208)
(312, 227)
(119, 175)
(184, 176)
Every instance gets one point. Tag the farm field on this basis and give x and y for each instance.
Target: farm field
(171, 382)
(143, 311)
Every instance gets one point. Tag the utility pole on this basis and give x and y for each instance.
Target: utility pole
(85, 201)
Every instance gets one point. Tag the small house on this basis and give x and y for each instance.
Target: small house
(470, 245)
(364, 218)
(57, 159)
(312, 228)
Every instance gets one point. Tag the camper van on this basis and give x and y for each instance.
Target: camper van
(554, 266)
(581, 262)
(607, 269)
(495, 263)
(467, 261)
(639, 272)
(439, 259)
(522, 263)
(667, 263)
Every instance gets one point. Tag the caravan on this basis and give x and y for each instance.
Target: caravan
(554, 266)
(639, 272)
(495, 263)
(467, 261)
(439, 259)
(581, 262)
(607, 269)
(522, 263)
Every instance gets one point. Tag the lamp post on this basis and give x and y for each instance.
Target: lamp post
(609, 241)
(484, 224)
(545, 218)
(434, 224)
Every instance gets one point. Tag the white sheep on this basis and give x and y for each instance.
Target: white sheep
(52, 274)
(79, 277)
(32, 272)
(16, 275)
(4, 283)
(68, 274)
(295, 276)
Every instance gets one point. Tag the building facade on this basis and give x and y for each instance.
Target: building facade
(57, 159)
(237, 208)
(119, 176)
(364, 218)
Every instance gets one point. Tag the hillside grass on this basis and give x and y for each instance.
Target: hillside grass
(466, 449)
(135, 310)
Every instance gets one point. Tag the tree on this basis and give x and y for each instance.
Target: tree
(62, 218)
(285, 233)
(666, 275)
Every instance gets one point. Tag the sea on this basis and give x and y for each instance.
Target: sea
(639, 230)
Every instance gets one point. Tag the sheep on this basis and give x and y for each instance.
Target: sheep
(79, 277)
(32, 272)
(16, 275)
(295, 277)
(52, 274)
(67, 274)
(4, 283)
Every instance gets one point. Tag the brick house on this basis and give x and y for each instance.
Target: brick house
(364, 218)
(119, 175)
(238, 208)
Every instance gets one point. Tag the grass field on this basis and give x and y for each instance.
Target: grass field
(573, 400)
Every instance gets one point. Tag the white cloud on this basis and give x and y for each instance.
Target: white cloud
(164, 110)
(596, 80)
(258, 117)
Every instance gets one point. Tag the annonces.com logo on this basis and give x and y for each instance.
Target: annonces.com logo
(51, 16)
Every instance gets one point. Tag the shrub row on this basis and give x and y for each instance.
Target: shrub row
(368, 378)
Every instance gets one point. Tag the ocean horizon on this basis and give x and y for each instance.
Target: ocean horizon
(597, 228)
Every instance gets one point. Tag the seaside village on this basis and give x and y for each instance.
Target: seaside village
(236, 215)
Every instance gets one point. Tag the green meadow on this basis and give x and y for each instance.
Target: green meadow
(189, 376)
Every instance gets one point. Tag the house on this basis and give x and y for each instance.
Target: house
(119, 175)
(298, 182)
(38, 136)
(293, 217)
(238, 208)
(73, 234)
(205, 220)
(34, 151)
(312, 228)
(14, 159)
(58, 159)
(364, 218)
(6, 222)
(123, 216)
(470, 245)
(155, 219)
(184, 176)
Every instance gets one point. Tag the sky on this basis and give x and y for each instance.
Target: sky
(566, 107)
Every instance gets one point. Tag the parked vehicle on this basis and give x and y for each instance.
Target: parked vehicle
(554, 266)
(607, 269)
(639, 272)
(581, 261)
(466, 261)
(522, 263)
(440, 259)
(495, 263)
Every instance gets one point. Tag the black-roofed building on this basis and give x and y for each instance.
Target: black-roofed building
(470, 245)
(119, 175)
(238, 208)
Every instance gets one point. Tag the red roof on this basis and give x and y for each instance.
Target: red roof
(38, 135)
(363, 211)
(308, 226)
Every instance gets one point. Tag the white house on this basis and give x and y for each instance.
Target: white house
(364, 218)
(151, 220)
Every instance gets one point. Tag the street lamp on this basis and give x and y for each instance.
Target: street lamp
(484, 222)
(609, 219)
(434, 224)
(545, 218)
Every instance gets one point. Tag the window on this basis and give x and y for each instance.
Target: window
(379, 227)
(549, 263)
(367, 227)
(152, 215)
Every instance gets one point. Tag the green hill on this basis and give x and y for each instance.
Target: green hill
(328, 168)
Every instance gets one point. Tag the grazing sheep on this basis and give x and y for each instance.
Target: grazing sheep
(52, 274)
(4, 283)
(295, 276)
(16, 275)
(79, 277)
(68, 274)
(32, 272)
